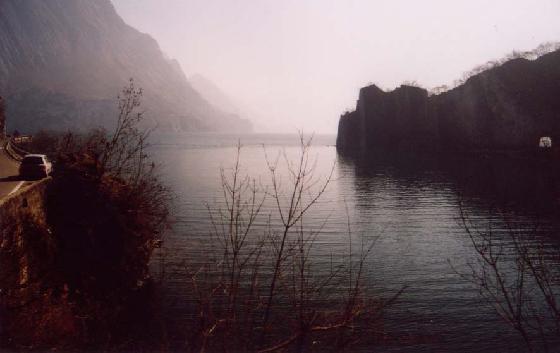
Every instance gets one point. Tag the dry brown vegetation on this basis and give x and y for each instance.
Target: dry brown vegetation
(265, 292)
(106, 211)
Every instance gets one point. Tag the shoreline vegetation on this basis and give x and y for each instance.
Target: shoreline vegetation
(79, 249)
(265, 292)
(518, 279)
(106, 212)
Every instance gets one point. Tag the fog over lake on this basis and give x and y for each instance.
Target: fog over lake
(280, 176)
(293, 64)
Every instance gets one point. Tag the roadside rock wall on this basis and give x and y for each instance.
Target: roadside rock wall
(2, 118)
(22, 215)
(26, 253)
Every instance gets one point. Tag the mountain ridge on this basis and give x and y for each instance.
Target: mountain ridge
(71, 58)
(213, 93)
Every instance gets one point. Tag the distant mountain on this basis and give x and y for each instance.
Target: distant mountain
(213, 94)
(507, 107)
(63, 63)
(232, 105)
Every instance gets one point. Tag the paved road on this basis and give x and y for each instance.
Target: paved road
(8, 174)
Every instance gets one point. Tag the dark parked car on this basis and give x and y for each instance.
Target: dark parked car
(35, 165)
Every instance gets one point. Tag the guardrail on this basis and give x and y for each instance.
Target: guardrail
(24, 191)
(14, 151)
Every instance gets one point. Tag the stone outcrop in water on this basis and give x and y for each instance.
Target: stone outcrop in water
(63, 62)
(509, 107)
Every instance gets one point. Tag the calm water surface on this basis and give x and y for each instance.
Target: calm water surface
(411, 207)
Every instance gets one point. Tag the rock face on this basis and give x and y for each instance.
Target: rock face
(218, 98)
(63, 62)
(2, 118)
(213, 94)
(509, 107)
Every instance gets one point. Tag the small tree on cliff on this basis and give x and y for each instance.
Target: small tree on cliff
(107, 203)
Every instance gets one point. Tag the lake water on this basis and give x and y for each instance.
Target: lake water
(410, 206)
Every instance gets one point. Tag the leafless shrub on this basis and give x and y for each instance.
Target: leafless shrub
(114, 167)
(518, 277)
(539, 51)
(411, 83)
(438, 90)
(107, 210)
(264, 292)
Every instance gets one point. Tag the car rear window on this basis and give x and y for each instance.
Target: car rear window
(32, 160)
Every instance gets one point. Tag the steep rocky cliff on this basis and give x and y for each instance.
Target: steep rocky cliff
(213, 94)
(508, 107)
(63, 62)
(2, 118)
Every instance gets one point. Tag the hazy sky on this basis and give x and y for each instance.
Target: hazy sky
(298, 64)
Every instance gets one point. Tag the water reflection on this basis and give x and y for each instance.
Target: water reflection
(411, 204)
(528, 186)
(423, 199)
